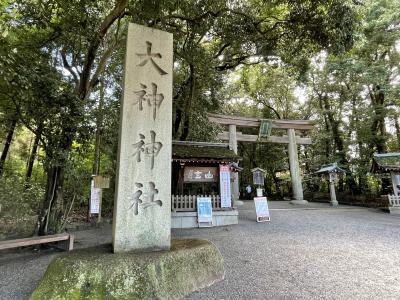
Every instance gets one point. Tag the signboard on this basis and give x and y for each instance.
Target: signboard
(95, 199)
(101, 182)
(258, 177)
(200, 174)
(204, 211)
(225, 185)
(262, 210)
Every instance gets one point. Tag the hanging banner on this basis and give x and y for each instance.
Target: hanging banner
(204, 211)
(262, 210)
(265, 130)
(95, 199)
(225, 185)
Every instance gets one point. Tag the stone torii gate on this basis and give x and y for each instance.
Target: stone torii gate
(233, 136)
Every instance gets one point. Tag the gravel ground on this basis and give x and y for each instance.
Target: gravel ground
(319, 253)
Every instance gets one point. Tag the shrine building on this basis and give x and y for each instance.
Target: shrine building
(202, 170)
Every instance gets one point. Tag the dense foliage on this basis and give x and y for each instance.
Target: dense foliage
(61, 68)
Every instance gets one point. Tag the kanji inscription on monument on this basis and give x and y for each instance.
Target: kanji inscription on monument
(142, 209)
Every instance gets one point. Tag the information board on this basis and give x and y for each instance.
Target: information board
(225, 185)
(200, 174)
(95, 199)
(258, 178)
(262, 210)
(204, 211)
(101, 182)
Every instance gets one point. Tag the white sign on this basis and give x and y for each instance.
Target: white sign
(204, 211)
(95, 199)
(225, 185)
(262, 210)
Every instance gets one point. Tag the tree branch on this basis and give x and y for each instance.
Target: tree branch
(102, 64)
(116, 13)
(68, 66)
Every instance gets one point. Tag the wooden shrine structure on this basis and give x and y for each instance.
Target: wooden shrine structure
(202, 169)
(291, 139)
(389, 163)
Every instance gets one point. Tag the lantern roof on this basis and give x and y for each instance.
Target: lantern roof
(330, 168)
(258, 169)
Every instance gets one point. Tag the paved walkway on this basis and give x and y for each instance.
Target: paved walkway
(320, 253)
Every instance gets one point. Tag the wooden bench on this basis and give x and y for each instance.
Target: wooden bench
(63, 240)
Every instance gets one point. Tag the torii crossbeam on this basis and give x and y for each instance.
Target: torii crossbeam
(233, 136)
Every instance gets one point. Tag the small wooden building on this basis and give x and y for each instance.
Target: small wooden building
(202, 170)
(389, 163)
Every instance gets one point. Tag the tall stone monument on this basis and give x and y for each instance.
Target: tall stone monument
(142, 209)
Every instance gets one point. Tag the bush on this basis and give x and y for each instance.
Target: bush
(18, 199)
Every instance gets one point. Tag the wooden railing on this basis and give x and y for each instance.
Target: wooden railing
(394, 201)
(189, 202)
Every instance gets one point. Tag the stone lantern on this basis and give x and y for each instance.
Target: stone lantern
(331, 172)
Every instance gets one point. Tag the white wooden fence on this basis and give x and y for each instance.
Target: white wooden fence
(394, 201)
(189, 202)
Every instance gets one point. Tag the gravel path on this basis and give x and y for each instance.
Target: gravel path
(320, 253)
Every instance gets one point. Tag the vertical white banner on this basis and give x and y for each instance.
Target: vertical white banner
(225, 185)
(95, 198)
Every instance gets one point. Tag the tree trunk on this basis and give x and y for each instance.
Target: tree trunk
(99, 124)
(188, 106)
(32, 156)
(378, 129)
(48, 218)
(396, 124)
(336, 133)
(327, 124)
(177, 122)
(7, 145)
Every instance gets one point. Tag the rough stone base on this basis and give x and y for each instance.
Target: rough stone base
(299, 202)
(189, 219)
(334, 203)
(96, 273)
(394, 210)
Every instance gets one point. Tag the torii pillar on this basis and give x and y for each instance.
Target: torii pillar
(295, 174)
(233, 146)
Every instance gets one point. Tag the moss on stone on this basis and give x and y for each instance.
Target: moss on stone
(96, 273)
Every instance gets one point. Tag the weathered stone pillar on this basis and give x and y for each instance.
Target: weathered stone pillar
(295, 169)
(234, 147)
(334, 202)
(142, 209)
